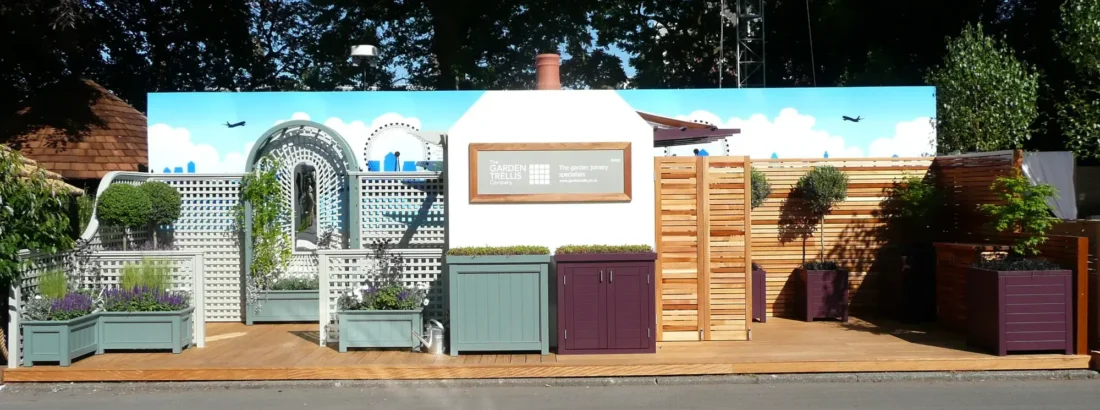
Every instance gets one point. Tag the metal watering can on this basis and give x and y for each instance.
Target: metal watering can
(433, 337)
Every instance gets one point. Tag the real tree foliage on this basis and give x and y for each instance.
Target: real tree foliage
(820, 190)
(124, 206)
(985, 97)
(164, 201)
(1079, 107)
(135, 47)
(33, 215)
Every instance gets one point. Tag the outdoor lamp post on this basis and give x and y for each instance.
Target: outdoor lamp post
(362, 55)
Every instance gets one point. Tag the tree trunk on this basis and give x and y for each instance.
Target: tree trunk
(821, 229)
(153, 231)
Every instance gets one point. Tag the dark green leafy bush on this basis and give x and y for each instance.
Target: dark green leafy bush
(1017, 264)
(124, 206)
(820, 265)
(1023, 211)
(571, 249)
(760, 188)
(164, 200)
(517, 250)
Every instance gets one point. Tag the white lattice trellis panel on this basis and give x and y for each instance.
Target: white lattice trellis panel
(406, 208)
(344, 270)
(303, 264)
(302, 144)
(205, 225)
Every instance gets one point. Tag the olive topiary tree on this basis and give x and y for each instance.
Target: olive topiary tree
(124, 206)
(820, 190)
(760, 188)
(164, 201)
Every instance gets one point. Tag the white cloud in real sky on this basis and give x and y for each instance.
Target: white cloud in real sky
(171, 147)
(793, 135)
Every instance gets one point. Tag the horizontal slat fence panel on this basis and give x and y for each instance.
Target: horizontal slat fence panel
(966, 180)
(853, 232)
(678, 219)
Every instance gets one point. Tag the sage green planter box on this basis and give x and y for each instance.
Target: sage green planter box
(498, 303)
(379, 328)
(285, 306)
(59, 341)
(145, 330)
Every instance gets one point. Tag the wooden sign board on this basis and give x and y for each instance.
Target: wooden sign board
(550, 172)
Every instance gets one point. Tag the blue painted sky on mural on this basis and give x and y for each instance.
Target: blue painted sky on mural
(786, 122)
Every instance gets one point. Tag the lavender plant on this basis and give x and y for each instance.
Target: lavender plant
(144, 299)
(70, 306)
(383, 288)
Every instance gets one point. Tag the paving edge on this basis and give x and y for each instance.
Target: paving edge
(132, 387)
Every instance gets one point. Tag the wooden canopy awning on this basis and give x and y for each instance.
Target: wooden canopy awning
(669, 132)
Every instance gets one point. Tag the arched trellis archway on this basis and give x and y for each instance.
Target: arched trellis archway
(298, 142)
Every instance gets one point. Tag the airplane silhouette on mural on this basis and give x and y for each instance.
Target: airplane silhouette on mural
(234, 125)
(856, 119)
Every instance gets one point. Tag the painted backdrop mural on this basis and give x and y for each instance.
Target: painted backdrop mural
(214, 132)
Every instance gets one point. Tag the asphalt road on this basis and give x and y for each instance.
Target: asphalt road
(1061, 395)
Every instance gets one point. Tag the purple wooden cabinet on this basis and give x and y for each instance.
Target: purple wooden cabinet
(606, 303)
(1019, 310)
(759, 295)
(823, 294)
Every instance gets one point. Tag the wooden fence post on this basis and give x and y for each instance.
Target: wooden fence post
(702, 212)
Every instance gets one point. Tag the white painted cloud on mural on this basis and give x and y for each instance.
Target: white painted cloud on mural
(296, 116)
(171, 147)
(357, 132)
(911, 139)
(792, 135)
(789, 135)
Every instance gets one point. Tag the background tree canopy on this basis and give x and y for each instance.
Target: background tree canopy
(135, 47)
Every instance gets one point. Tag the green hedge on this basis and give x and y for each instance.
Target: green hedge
(572, 249)
(499, 250)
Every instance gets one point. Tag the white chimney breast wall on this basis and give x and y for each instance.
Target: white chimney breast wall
(541, 117)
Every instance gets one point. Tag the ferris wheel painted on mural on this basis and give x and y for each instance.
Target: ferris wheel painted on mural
(398, 147)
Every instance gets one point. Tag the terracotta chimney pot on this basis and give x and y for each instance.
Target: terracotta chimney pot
(547, 71)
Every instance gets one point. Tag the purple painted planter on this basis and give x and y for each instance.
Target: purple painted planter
(760, 295)
(823, 293)
(606, 303)
(1019, 310)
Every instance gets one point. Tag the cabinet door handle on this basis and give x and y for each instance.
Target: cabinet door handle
(611, 277)
(601, 275)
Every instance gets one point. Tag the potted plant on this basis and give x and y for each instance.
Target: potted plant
(261, 202)
(1020, 302)
(761, 188)
(126, 207)
(498, 298)
(288, 299)
(143, 314)
(907, 291)
(382, 311)
(613, 285)
(60, 325)
(164, 202)
(823, 286)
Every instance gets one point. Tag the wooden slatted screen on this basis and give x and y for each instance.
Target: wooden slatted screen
(703, 270)
(853, 230)
(966, 180)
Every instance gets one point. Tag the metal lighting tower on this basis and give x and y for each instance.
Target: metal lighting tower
(747, 20)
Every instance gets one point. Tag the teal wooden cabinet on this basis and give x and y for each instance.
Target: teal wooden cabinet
(145, 330)
(285, 306)
(498, 303)
(379, 328)
(59, 341)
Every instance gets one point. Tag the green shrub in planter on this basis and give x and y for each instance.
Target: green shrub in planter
(164, 202)
(144, 318)
(820, 190)
(288, 299)
(576, 249)
(498, 298)
(382, 311)
(59, 329)
(124, 206)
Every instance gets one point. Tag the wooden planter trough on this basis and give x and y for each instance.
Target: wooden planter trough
(606, 303)
(760, 295)
(379, 328)
(499, 303)
(285, 306)
(145, 330)
(1020, 310)
(823, 293)
(59, 341)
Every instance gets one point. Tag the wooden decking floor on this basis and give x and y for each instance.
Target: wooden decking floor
(290, 352)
